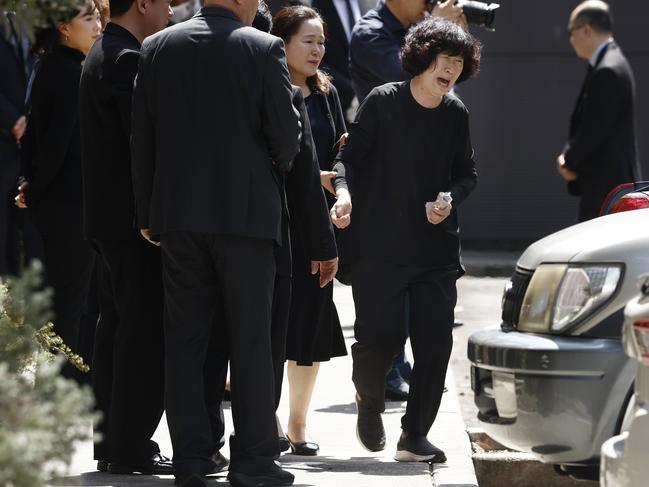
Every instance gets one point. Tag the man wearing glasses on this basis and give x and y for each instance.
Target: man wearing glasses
(601, 149)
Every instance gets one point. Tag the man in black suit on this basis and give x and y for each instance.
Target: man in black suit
(128, 359)
(212, 120)
(601, 151)
(13, 85)
(340, 16)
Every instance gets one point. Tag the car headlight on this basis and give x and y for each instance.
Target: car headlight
(560, 295)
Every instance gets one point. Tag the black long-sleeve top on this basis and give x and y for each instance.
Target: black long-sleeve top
(54, 168)
(398, 156)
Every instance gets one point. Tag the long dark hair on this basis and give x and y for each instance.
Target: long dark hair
(48, 38)
(286, 23)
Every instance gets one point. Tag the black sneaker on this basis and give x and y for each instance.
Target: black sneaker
(369, 428)
(418, 449)
(276, 476)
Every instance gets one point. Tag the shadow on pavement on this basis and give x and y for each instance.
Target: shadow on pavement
(361, 465)
(99, 479)
(391, 407)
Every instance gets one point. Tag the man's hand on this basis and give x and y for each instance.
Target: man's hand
(325, 180)
(19, 200)
(448, 9)
(565, 172)
(327, 269)
(341, 212)
(436, 215)
(19, 128)
(146, 233)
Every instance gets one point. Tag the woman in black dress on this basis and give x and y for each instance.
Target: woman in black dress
(314, 331)
(52, 165)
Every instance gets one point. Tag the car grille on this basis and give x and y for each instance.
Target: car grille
(513, 298)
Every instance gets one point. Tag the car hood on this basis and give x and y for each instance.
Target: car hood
(607, 238)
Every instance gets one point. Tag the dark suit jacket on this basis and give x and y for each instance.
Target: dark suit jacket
(105, 114)
(306, 208)
(212, 119)
(13, 83)
(602, 144)
(336, 58)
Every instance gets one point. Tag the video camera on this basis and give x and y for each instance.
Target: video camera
(477, 13)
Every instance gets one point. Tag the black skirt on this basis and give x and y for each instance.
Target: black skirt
(314, 332)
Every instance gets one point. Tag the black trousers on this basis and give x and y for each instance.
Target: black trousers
(199, 268)
(69, 262)
(380, 290)
(9, 170)
(128, 358)
(279, 327)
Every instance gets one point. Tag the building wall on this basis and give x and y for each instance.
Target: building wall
(520, 105)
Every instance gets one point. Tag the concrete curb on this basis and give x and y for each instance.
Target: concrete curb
(449, 433)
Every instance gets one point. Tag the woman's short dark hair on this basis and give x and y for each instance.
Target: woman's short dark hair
(434, 36)
(287, 23)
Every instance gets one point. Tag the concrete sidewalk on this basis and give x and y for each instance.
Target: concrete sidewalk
(342, 461)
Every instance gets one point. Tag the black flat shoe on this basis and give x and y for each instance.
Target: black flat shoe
(157, 465)
(305, 448)
(102, 465)
(284, 443)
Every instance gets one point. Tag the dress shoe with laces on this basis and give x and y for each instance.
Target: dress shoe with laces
(369, 428)
(416, 448)
(157, 465)
(305, 448)
(276, 476)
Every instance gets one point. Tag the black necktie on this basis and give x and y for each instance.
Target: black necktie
(350, 16)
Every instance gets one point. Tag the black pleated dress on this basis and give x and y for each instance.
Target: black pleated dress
(314, 331)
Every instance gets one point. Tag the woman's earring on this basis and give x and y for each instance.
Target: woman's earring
(67, 38)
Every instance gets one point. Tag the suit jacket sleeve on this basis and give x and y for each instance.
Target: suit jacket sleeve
(379, 55)
(600, 109)
(281, 124)
(9, 115)
(463, 175)
(142, 144)
(361, 140)
(303, 183)
(123, 76)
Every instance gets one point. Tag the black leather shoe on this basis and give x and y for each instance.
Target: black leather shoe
(306, 448)
(397, 389)
(369, 428)
(220, 462)
(283, 443)
(414, 448)
(158, 465)
(191, 481)
(102, 465)
(276, 476)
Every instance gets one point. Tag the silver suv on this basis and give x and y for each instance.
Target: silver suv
(553, 379)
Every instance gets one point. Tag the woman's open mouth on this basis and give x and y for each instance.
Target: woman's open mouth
(443, 82)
